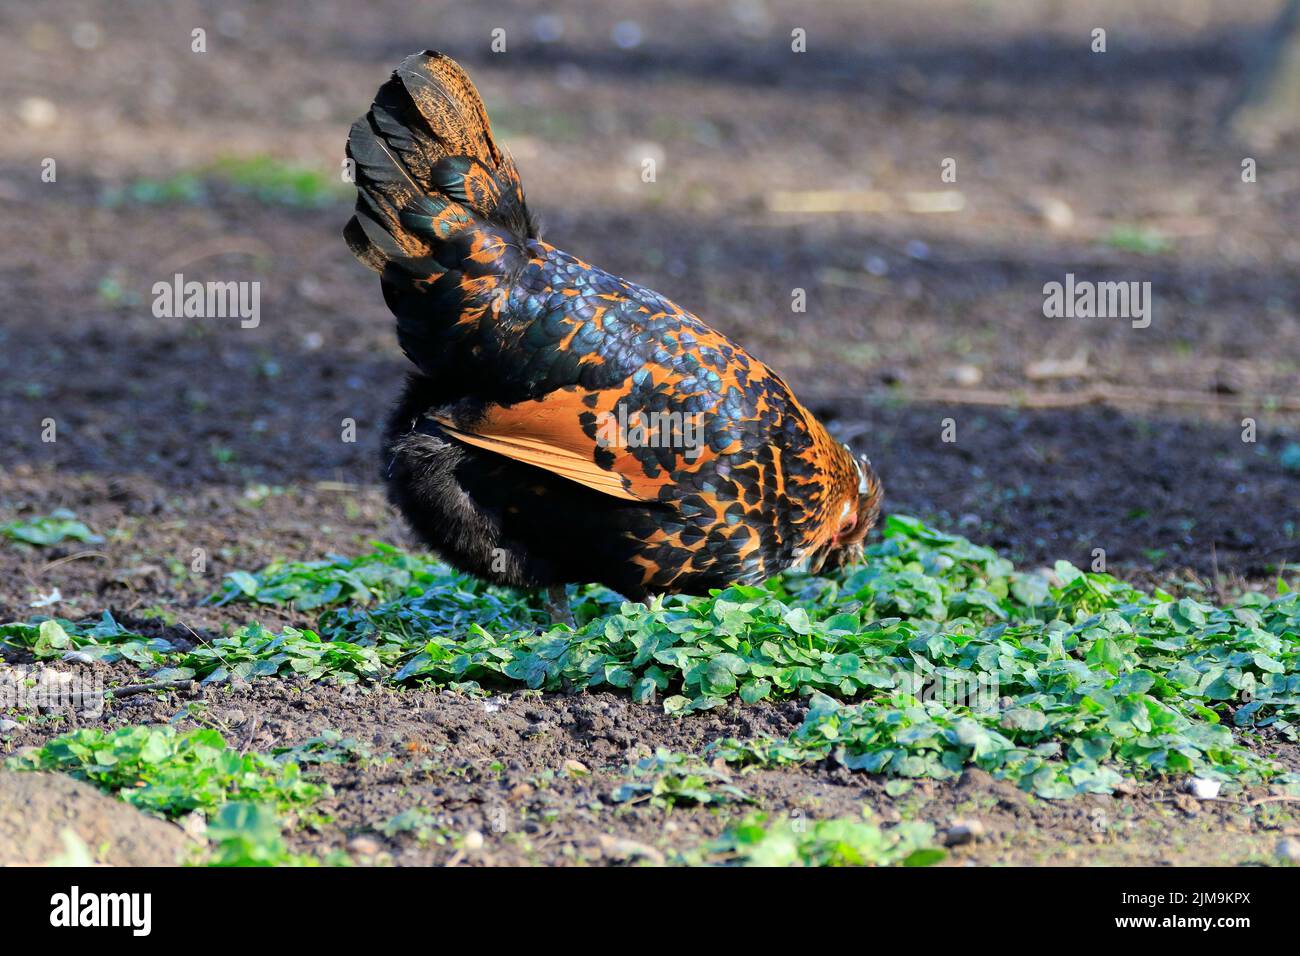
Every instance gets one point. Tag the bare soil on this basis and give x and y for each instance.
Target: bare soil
(46, 817)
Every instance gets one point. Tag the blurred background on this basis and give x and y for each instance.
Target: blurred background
(776, 171)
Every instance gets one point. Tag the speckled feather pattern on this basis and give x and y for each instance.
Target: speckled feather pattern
(527, 352)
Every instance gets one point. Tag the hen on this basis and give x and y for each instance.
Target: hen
(565, 425)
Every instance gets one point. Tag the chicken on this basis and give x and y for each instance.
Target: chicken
(564, 425)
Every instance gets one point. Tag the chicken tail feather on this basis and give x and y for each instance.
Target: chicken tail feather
(432, 184)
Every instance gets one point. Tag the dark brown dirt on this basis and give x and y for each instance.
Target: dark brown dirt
(176, 435)
(534, 776)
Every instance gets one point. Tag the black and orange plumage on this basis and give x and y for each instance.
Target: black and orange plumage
(565, 425)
